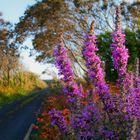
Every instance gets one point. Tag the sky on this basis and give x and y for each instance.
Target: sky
(12, 10)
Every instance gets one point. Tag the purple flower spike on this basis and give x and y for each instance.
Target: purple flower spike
(64, 66)
(120, 55)
(95, 69)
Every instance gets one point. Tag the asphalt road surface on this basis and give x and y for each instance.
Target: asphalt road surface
(16, 118)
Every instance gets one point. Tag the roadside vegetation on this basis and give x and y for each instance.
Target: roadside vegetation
(15, 81)
(21, 84)
(44, 128)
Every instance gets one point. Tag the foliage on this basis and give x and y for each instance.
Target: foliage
(104, 41)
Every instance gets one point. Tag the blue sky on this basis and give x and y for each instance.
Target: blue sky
(12, 10)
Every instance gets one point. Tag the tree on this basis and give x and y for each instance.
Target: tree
(134, 9)
(8, 53)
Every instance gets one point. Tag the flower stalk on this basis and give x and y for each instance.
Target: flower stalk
(95, 70)
(64, 66)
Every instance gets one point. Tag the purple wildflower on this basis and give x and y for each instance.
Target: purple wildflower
(108, 134)
(94, 64)
(120, 54)
(63, 63)
(86, 123)
(133, 97)
(59, 120)
(95, 70)
(133, 104)
(64, 66)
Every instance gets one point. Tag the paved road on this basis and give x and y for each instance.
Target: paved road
(16, 118)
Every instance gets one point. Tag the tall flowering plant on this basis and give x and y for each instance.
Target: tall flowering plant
(95, 70)
(133, 102)
(70, 87)
(64, 66)
(128, 83)
(120, 54)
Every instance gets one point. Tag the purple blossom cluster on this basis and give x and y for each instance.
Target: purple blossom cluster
(119, 52)
(133, 104)
(128, 84)
(133, 97)
(87, 122)
(127, 81)
(108, 134)
(59, 120)
(120, 59)
(64, 66)
(95, 70)
(63, 63)
(94, 64)
(120, 55)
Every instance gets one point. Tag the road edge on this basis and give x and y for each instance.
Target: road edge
(27, 135)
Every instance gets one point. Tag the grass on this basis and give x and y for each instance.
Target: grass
(8, 98)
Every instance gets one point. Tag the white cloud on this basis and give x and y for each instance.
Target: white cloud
(35, 67)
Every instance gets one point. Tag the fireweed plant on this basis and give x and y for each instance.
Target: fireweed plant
(64, 65)
(127, 82)
(95, 70)
(120, 55)
(114, 116)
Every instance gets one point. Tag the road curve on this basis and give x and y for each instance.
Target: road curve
(16, 118)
